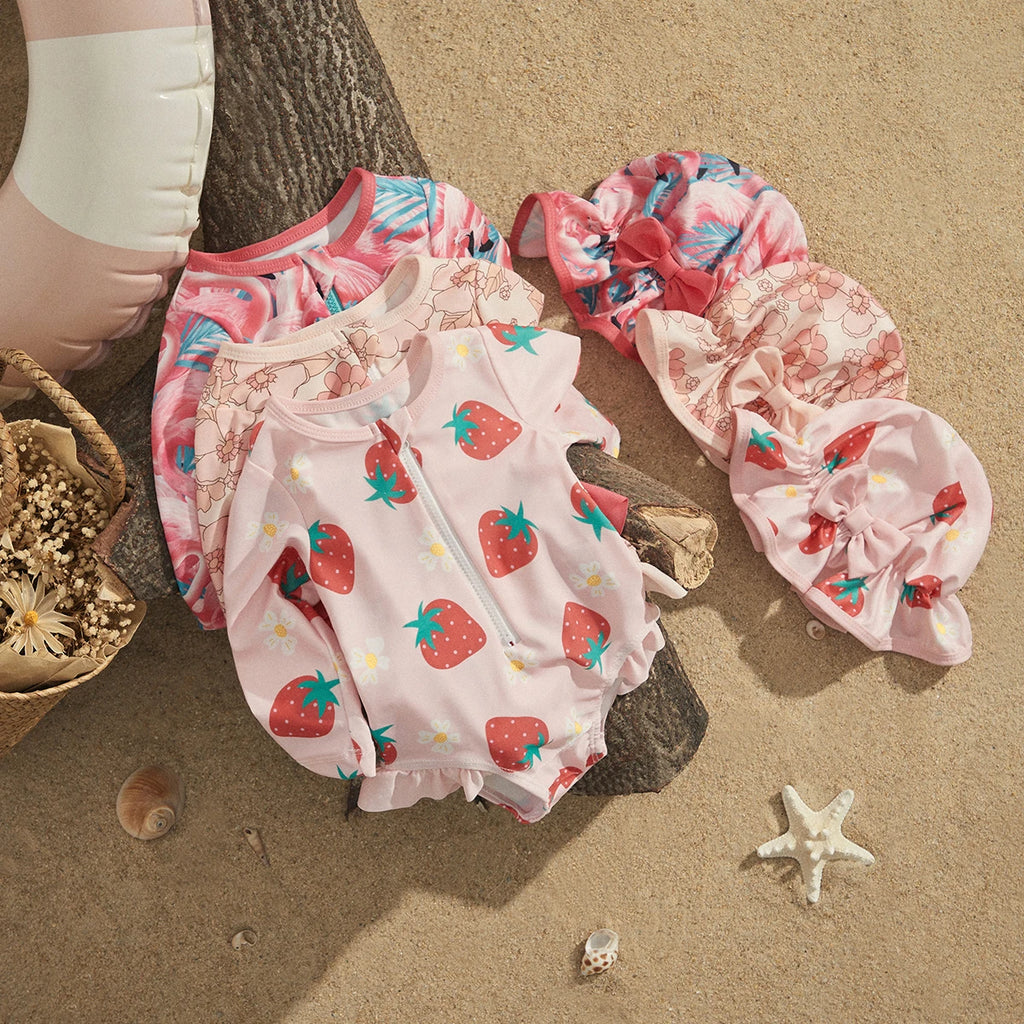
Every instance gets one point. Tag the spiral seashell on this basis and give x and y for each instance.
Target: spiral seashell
(149, 801)
(601, 952)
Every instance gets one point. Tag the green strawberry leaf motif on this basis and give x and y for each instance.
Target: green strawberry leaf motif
(463, 424)
(517, 523)
(594, 516)
(347, 778)
(763, 442)
(426, 625)
(532, 751)
(384, 488)
(317, 536)
(320, 693)
(380, 736)
(850, 588)
(521, 338)
(595, 651)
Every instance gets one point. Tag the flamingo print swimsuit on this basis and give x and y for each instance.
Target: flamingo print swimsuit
(418, 591)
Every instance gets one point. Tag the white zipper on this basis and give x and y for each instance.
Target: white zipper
(454, 545)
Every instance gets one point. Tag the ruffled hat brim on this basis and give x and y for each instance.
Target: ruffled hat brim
(876, 516)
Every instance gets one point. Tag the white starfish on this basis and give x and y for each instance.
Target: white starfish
(815, 837)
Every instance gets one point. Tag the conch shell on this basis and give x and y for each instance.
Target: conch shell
(149, 801)
(601, 952)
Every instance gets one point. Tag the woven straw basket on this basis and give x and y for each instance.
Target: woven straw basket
(22, 711)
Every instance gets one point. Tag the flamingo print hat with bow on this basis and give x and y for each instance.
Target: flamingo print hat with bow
(787, 342)
(876, 515)
(668, 231)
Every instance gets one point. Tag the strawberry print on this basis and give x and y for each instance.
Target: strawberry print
(385, 744)
(290, 574)
(388, 478)
(481, 431)
(921, 592)
(588, 511)
(331, 558)
(508, 540)
(845, 592)
(823, 533)
(949, 504)
(515, 337)
(764, 450)
(585, 635)
(515, 743)
(566, 777)
(847, 448)
(304, 707)
(446, 633)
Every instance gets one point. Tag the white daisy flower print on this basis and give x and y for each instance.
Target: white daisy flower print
(593, 579)
(945, 630)
(440, 736)
(463, 350)
(573, 725)
(786, 491)
(884, 480)
(518, 663)
(297, 478)
(266, 530)
(950, 438)
(278, 631)
(367, 664)
(955, 540)
(435, 553)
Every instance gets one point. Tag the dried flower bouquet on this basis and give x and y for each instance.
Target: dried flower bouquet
(63, 613)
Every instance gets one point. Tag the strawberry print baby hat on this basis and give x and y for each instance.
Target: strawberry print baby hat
(668, 231)
(876, 515)
(788, 342)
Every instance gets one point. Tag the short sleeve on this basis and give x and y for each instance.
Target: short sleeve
(537, 368)
(459, 228)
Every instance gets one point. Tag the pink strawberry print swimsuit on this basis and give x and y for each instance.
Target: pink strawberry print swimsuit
(415, 592)
(259, 293)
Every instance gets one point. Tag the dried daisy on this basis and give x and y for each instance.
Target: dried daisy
(35, 622)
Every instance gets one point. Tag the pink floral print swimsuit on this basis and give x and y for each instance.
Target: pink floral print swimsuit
(273, 288)
(414, 591)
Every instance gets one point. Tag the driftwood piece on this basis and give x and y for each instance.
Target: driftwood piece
(665, 528)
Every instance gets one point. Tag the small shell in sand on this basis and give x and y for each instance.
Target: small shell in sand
(246, 937)
(149, 801)
(815, 629)
(601, 952)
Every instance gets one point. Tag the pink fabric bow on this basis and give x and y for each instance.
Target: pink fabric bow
(761, 373)
(871, 544)
(644, 242)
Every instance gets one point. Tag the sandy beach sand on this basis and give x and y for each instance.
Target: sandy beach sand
(894, 129)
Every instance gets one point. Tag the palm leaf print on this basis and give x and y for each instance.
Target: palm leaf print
(665, 183)
(403, 203)
(199, 342)
(710, 242)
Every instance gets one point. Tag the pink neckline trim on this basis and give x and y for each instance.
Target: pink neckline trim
(253, 260)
